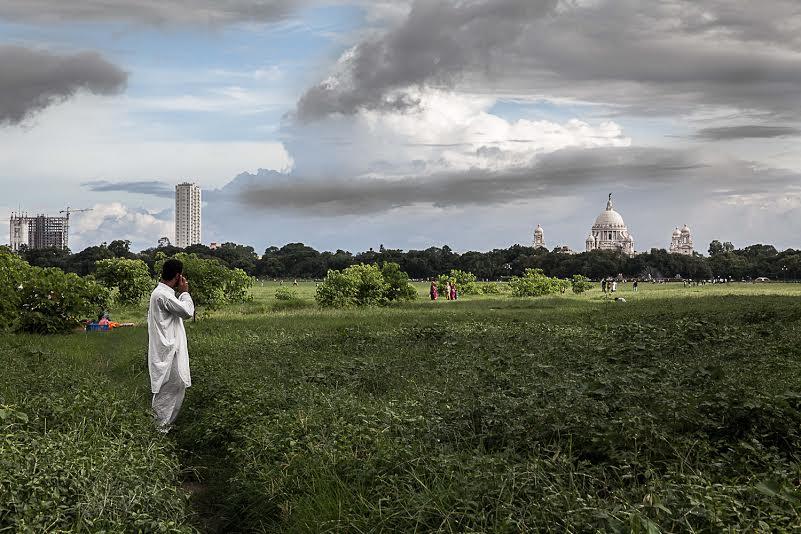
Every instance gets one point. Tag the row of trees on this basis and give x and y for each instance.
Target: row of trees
(296, 260)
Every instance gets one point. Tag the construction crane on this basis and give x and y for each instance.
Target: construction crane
(70, 210)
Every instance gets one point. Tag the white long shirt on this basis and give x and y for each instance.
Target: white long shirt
(167, 337)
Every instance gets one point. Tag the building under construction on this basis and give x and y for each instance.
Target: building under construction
(37, 232)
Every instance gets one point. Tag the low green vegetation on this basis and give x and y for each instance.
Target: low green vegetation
(364, 285)
(678, 410)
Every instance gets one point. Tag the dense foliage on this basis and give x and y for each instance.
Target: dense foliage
(296, 260)
(465, 282)
(131, 278)
(364, 285)
(211, 283)
(534, 283)
(45, 300)
(580, 284)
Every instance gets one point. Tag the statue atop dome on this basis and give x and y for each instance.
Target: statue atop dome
(610, 232)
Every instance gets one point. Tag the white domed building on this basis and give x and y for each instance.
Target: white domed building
(610, 232)
(682, 241)
(539, 237)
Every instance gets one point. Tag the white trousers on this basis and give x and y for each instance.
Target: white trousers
(167, 402)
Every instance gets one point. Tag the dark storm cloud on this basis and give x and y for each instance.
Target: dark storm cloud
(152, 187)
(645, 57)
(202, 12)
(556, 173)
(31, 80)
(747, 131)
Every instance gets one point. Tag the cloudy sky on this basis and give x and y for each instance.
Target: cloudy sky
(409, 123)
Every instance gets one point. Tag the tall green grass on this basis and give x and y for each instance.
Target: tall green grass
(677, 410)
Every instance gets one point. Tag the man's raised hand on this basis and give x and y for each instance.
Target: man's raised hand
(183, 285)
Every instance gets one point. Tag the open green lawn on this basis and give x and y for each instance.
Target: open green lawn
(677, 410)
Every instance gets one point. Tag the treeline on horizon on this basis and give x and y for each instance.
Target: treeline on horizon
(299, 261)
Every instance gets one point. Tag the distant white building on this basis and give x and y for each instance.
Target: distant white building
(187, 215)
(539, 237)
(682, 241)
(610, 232)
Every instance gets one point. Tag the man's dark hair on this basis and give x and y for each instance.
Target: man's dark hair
(171, 268)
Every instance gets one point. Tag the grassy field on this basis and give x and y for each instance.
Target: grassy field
(677, 410)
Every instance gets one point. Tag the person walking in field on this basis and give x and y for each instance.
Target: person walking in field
(433, 292)
(454, 293)
(603, 286)
(167, 354)
(448, 290)
(635, 285)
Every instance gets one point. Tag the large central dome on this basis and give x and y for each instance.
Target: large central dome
(609, 217)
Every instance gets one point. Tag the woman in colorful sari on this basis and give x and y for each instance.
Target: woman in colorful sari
(433, 292)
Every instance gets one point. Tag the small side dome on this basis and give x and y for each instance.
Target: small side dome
(685, 229)
(538, 230)
(676, 232)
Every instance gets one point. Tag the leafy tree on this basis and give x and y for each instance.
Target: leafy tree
(715, 247)
(131, 278)
(120, 248)
(211, 283)
(398, 286)
(580, 284)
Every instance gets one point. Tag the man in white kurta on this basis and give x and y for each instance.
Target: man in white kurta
(167, 355)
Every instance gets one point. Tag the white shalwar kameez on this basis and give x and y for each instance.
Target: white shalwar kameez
(167, 355)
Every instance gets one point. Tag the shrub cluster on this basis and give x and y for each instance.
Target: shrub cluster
(534, 283)
(131, 278)
(212, 284)
(580, 284)
(45, 301)
(465, 282)
(364, 285)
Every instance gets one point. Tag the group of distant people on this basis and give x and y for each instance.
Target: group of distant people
(609, 285)
(451, 292)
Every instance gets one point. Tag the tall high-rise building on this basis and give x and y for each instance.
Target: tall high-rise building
(187, 215)
(38, 232)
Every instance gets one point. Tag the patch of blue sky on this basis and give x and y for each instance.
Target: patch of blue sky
(541, 109)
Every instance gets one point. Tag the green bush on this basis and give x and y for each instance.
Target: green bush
(364, 285)
(131, 278)
(211, 283)
(465, 282)
(45, 301)
(283, 293)
(534, 283)
(398, 285)
(580, 284)
(492, 288)
(13, 272)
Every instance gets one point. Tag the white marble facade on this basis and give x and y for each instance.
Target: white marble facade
(539, 237)
(610, 232)
(682, 241)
